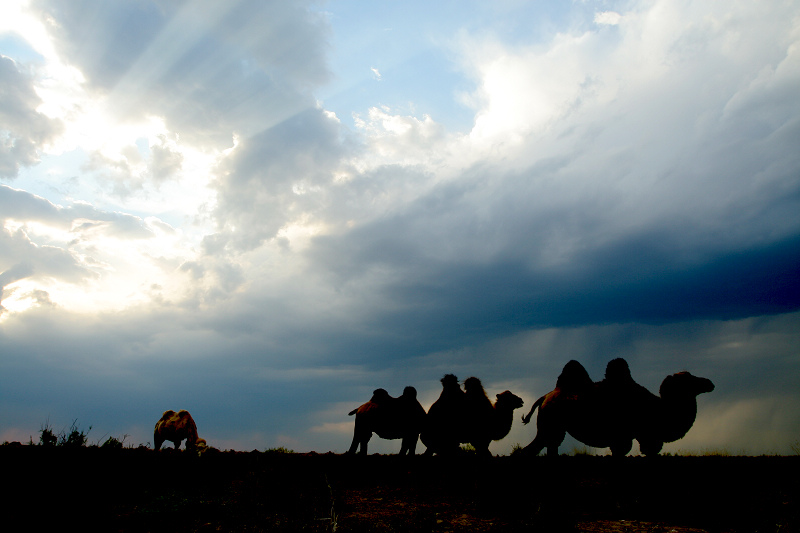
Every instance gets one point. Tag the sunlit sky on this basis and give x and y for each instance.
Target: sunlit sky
(262, 211)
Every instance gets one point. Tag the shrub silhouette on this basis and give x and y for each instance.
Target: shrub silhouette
(75, 438)
(46, 435)
(113, 443)
(278, 451)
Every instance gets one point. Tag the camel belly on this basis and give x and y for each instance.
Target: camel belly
(598, 431)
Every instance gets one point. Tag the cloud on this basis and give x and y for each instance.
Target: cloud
(24, 130)
(274, 179)
(23, 207)
(28, 259)
(610, 18)
(174, 61)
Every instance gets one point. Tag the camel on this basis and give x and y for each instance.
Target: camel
(487, 421)
(467, 417)
(615, 411)
(445, 419)
(176, 427)
(389, 418)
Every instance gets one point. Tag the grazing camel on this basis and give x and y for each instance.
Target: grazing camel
(389, 418)
(467, 417)
(176, 427)
(613, 412)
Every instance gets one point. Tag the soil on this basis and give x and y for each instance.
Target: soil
(139, 490)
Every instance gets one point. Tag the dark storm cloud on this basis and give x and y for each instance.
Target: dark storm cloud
(23, 130)
(591, 238)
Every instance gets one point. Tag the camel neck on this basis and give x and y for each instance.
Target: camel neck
(503, 419)
(679, 415)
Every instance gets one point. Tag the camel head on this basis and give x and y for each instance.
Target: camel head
(508, 400)
(199, 444)
(684, 384)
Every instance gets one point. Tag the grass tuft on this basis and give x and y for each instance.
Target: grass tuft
(278, 451)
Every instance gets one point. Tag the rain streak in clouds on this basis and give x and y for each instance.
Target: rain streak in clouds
(260, 212)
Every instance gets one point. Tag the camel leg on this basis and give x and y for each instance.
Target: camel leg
(353, 445)
(651, 448)
(361, 436)
(409, 445)
(536, 446)
(621, 449)
(482, 448)
(364, 442)
(546, 439)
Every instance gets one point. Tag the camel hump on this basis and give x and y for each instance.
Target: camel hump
(449, 379)
(409, 393)
(618, 371)
(574, 377)
(474, 387)
(380, 395)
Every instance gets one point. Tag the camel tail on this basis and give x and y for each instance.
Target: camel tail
(354, 411)
(527, 418)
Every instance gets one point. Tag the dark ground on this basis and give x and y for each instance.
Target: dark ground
(93, 489)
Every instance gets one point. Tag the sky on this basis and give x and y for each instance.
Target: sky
(262, 211)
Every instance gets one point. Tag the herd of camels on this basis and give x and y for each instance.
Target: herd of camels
(610, 413)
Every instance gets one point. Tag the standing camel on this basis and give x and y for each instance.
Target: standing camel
(389, 418)
(613, 412)
(467, 416)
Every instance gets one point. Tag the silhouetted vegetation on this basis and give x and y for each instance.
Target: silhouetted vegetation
(72, 438)
(112, 443)
(46, 435)
(278, 451)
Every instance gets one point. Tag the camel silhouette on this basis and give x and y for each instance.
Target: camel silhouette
(615, 411)
(467, 416)
(176, 427)
(389, 418)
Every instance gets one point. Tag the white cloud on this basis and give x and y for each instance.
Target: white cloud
(24, 131)
(609, 18)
